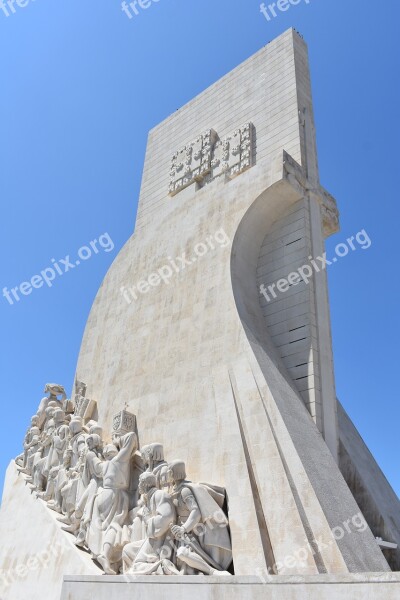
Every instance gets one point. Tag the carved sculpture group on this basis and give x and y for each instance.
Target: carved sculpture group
(131, 509)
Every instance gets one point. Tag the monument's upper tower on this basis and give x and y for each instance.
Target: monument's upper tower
(205, 167)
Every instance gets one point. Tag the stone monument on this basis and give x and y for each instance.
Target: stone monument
(213, 458)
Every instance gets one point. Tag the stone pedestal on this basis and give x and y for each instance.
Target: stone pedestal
(371, 586)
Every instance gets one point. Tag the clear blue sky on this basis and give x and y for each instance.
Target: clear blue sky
(81, 86)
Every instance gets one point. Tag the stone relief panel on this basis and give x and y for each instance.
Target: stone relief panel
(192, 163)
(232, 155)
(208, 158)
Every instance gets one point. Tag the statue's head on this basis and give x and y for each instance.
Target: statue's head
(94, 427)
(76, 425)
(93, 441)
(153, 452)
(147, 481)
(59, 416)
(110, 451)
(50, 412)
(34, 420)
(176, 471)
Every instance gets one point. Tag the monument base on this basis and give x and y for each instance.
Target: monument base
(374, 586)
(34, 551)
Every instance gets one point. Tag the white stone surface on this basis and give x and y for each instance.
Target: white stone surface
(369, 586)
(373, 492)
(35, 553)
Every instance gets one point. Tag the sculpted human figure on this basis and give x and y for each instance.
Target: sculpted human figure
(54, 390)
(59, 442)
(32, 432)
(111, 505)
(39, 464)
(72, 489)
(50, 466)
(153, 456)
(32, 449)
(147, 556)
(61, 480)
(202, 528)
(80, 393)
(48, 429)
(91, 482)
(68, 495)
(77, 442)
(48, 494)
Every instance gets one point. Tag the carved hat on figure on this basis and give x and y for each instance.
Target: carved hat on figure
(94, 428)
(59, 415)
(177, 470)
(153, 451)
(147, 481)
(76, 425)
(93, 441)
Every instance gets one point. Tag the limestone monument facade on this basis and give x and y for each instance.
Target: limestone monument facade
(206, 454)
